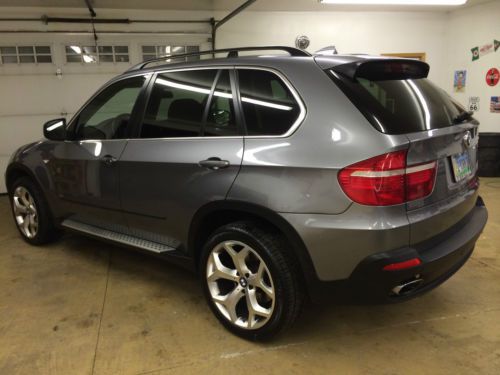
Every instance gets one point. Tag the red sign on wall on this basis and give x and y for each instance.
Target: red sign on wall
(492, 77)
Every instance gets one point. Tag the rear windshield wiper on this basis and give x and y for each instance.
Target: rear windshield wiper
(466, 115)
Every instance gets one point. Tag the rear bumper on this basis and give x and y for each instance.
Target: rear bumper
(440, 257)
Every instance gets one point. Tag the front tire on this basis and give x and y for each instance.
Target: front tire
(251, 282)
(31, 212)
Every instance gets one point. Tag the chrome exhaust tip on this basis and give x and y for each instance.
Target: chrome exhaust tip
(407, 287)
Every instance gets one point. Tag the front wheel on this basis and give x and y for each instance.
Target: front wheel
(250, 281)
(31, 212)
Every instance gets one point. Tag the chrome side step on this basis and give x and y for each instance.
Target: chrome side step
(117, 237)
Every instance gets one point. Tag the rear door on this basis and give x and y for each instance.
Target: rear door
(187, 153)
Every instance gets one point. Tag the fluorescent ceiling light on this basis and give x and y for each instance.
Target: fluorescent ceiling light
(202, 90)
(266, 104)
(182, 86)
(89, 59)
(76, 49)
(55, 126)
(423, 102)
(395, 2)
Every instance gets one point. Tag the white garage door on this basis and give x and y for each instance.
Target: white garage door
(31, 92)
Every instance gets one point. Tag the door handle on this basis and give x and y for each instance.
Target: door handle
(214, 163)
(108, 159)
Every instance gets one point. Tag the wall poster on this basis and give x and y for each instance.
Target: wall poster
(495, 104)
(459, 80)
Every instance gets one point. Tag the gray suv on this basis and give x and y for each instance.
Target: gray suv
(278, 179)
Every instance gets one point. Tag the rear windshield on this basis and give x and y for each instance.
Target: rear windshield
(400, 106)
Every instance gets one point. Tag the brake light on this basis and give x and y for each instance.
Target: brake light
(386, 180)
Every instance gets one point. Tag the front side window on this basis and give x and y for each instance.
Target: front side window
(108, 114)
(177, 104)
(269, 107)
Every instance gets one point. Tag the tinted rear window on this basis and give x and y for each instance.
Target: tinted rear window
(400, 106)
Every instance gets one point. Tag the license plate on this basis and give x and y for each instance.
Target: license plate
(461, 166)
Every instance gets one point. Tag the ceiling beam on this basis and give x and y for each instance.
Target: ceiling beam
(217, 25)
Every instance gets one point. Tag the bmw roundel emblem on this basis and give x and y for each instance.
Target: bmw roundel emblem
(467, 139)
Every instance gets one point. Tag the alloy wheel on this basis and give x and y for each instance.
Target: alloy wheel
(25, 212)
(240, 284)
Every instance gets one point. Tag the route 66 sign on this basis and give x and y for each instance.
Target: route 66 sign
(474, 103)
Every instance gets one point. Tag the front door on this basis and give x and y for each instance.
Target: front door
(84, 169)
(188, 152)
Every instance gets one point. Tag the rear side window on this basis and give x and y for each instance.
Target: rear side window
(400, 106)
(177, 104)
(269, 107)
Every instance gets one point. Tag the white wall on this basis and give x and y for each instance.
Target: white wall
(468, 28)
(350, 32)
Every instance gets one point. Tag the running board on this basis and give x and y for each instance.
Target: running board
(124, 239)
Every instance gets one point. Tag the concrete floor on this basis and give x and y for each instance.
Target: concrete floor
(83, 307)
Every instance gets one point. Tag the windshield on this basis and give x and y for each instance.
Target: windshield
(400, 106)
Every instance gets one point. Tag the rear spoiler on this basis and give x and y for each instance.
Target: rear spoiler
(383, 69)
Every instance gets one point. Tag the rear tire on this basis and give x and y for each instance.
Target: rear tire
(31, 212)
(251, 281)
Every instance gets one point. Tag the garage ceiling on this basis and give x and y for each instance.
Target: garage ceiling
(261, 5)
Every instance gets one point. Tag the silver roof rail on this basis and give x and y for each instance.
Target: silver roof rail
(231, 52)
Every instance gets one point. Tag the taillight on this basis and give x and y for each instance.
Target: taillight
(386, 180)
(420, 180)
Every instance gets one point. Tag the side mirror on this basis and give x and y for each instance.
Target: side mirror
(55, 130)
(221, 117)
